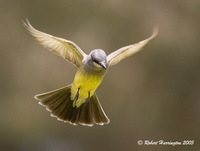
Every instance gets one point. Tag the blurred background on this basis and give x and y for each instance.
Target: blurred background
(153, 95)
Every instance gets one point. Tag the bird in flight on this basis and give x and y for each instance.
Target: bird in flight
(77, 103)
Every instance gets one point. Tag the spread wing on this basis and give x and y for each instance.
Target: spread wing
(64, 48)
(127, 51)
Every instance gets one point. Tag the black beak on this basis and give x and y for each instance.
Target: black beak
(103, 64)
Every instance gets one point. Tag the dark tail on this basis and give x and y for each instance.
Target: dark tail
(59, 103)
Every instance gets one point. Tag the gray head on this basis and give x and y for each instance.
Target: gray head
(97, 59)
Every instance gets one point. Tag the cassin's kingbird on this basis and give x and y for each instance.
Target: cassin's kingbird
(77, 103)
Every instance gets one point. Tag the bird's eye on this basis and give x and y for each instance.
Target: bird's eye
(94, 60)
(96, 64)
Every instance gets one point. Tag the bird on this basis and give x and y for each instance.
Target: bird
(77, 103)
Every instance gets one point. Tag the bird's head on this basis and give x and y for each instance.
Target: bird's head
(98, 59)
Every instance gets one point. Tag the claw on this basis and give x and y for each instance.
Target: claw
(87, 99)
(76, 96)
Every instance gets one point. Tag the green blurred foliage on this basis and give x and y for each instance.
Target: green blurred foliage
(152, 95)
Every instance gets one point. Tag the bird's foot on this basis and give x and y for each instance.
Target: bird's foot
(87, 99)
(76, 96)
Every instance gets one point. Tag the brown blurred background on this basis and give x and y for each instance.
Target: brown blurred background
(153, 95)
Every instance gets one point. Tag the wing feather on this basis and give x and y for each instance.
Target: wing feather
(62, 47)
(127, 51)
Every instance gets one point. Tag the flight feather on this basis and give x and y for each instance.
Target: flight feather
(124, 52)
(62, 47)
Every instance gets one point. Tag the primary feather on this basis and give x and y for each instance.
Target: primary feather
(124, 52)
(64, 48)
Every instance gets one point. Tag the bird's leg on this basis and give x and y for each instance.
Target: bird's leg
(76, 96)
(87, 99)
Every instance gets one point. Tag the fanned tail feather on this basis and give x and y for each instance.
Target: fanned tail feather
(59, 103)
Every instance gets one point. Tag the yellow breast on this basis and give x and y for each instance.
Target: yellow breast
(87, 82)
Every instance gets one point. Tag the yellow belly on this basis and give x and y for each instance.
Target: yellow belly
(87, 83)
